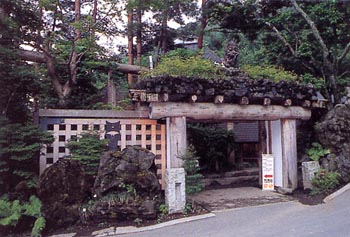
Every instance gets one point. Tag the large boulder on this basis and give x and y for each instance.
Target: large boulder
(334, 132)
(62, 189)
(126, 185)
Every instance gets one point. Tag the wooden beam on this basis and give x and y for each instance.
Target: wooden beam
(288, 102)
(79, 113)
(164, 97)
(193, 99)
(289, 154)
(267, 101)
(306, 103)
(211, 111)
(244, 100)
(219, 99)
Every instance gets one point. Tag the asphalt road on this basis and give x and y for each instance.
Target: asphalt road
(289, 219)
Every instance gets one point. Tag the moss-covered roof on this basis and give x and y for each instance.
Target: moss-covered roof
(180, 89)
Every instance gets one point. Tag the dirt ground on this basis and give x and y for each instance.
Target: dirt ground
(227, 198)
(211, 199)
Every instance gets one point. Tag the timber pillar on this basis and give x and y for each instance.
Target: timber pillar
(175, 187)
(289, 154)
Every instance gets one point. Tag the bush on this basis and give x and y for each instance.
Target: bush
(184, 64)
(194, 182)
(19, 154)
(88, 150)
(12, 211)
(316, 151)
(271, 72)
(324, 182)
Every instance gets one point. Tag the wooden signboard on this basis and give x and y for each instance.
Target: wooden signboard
(268, 172)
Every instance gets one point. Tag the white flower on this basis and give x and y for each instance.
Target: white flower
(95, 195)
(84, 209)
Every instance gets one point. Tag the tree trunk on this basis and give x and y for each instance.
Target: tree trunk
(130, 44)
(74, 60)
(139, 36)
(164, 33)
(202, 26)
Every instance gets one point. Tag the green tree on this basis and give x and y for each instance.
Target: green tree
(305, 37)
(20, 146)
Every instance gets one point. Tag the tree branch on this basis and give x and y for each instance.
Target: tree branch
(281, 38)
(343, 74)
(344, 53)
(39, 57)
(314, 30)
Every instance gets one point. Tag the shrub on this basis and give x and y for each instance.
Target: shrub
(316, 151)
(324, 182)
(271, 72)
(12, 211)
(19, 154)
(88, 150)
(194, 182)
(184, 64)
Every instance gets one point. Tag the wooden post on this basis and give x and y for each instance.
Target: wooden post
(176, 141)
(262, 147)
(289, 154)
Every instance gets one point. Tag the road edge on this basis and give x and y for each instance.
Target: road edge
(337, 193)
(133, 229)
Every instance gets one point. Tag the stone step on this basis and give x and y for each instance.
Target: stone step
(229, 180)
(238, 173)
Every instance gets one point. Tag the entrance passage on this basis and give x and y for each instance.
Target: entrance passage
(220, 199)
(229, 152)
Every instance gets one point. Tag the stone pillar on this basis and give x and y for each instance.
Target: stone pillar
(176, 141)
(309, 169)
(289, 154)
(175, 193)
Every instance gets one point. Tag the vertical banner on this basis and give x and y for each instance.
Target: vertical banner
(267, 172)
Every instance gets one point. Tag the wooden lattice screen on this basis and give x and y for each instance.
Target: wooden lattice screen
(141, 132)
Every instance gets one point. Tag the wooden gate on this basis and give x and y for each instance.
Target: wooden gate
(69, 124)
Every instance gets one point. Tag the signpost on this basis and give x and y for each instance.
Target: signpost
(268, 172)
(113, 135)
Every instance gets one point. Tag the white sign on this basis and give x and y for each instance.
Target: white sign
(267, 172)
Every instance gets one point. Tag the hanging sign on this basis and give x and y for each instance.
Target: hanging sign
(267, 172)
(113, 135)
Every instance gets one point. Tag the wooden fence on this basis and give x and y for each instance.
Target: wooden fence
(136, 129)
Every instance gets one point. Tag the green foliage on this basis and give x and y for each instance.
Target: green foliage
(138, 221)
(88, 150)
(130, 189)
(19, 153)
(281, 36)
(188, 208)
(17, 78)
(194, 182)
(212, 145)
(318, 83)
(316, 151)
(12, 211)
(163, 209)
(182, 63)
(39, 226)
(269, 72)
(325, 182)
